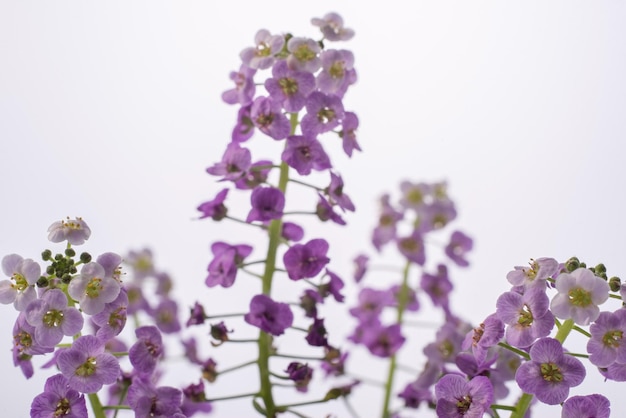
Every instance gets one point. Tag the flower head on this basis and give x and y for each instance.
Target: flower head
(53, 318)
(332, 27)
(93, 289)
(74, 231)
(58, 400)
(596, 406)
(20, 288)
(271, 317)
(458, 398)
(306, 260)
(261, 56)
(580, 293)
(267, 204)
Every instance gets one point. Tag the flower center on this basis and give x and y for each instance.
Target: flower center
(53, 318)
(409, 244)
(265, 120)
(23, 339)
(415, 196)
(94, 287)
(20, 282)
(525, 317)
(446, 349)
(579, 297)
(613, 338)
(87, 368)
(551, 372)
(386, 220)
(478, 334)
(336, 70)
(289, 86)
(463, 404)
(325, 115)
(62, 408)
(262, 50)
(303, 53)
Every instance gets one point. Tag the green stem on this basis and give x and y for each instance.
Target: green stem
(239, 366)
(564, 330)
(403, 298)
(265, 340)
(96, 406)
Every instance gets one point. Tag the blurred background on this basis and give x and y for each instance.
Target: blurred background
(113, 111)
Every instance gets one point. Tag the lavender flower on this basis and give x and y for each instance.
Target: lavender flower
(227, 258)
(261, 56)
(606, 344)
(317, 335)
(271, 317)
(580, 293)
(86, 366)
(549, 373)
(267, 115)
(371, 303)
(289, 87)
(387, 221)
(335, 192)
(235, 161)
(244, 127)
(147, 351)
(215, 209)
(337, 72)
(459, 245)
(349, 125)
(305, 153)
(112, 319)
(458, 398)
(332, 27)
(382, 341)
(20, 289)
(267, 204)
(323, 113)
(412, 247)
(483, 337)
(166, 316)
(437, 286)
(75, 231)
(52, 318)
(360, 263)
(595, 406)
(306, 260)
(58, 400)
(301, 374)
(148, 401)
(93, 289)
(244, 89)
(194, 400)
(303, 54)
(540, 269)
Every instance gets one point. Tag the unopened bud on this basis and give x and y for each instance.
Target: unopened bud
(615, 284)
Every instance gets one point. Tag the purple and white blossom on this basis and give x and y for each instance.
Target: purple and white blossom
(458, 398)
(266, 114)
(244, 89)
(580, 294)
(226, 260)
(147, 351)
(58, 400)
(332, 27)
(289, 87)
(74, 231)
(306, 260)
(93, 289)
(305, 153)
(271, 317)
(261, 56)
(53, 318)
(303, 54)
(590, 406)
(323, 113)
(20, 288)
(607, 345)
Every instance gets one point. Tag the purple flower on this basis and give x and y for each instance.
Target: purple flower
(235, 161)
(325, 212)
(75, 231)
(197, 315)
(58, 400)
(301, 374)
(292, 231)
(305, 153)
(261, 56)
(332, 27)
(86, 366)
(244, 127)
(334, 361)
(337, 73)
(317, 335)
(220, 333)
(349, 124)
(244, 87)
(227, 258)
(580, 293)
(332, 287)
(20, 288)
(255, 176)
(93, 289)
(271, 317)
(289, 87)
(323, 113)
(141, 262)
(436, 215)
(591, 406)
(112, 319)
(382, 341)
(360, 263)
(540, 269)
(147, 351)
(527, 315)
(385, 231)
(215, 209)
(458, 398)
(606, 344)
(52, 318)
(371, 304)
(414, 195)
(306, 260)
(412, 247)
(194, 400)
(550, 372)
(303, 54)
(486, 335)
(148, 401)
(267, 115)
(335, 192)
(413, 395)
(267, 204)
(437, 286)
(166, 316)
(308, 302)
(447, 344)
(459, 245)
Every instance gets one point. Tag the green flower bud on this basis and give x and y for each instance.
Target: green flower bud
(46, 255)
(572, 264)
(85, 257)
(43, 282)
(615, 283)
(70, 252)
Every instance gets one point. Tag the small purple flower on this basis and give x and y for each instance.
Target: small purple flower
(303, 54)
(486, 335)
(447, 344)
(458, 398)
(194, 400)
(436, 215)
(527, 316)
(334, 361)
(550, 373)
(606, 344)
(349, 125)
(58, 400)
(112, 320)
(324, 211)
(93, 289)
(459, 245)
(74, 231)
(147, 351)
(335, 192)
(305, 153)
(306, 260)
(220, 333)
(142, 263)
(244, 127)
(337, 73)
(215, 209)
(148, 401)
(382, 341)
(289, 87)
(323, 113)
(371, 303)
(245, 88)
(226, 260)
(267, 204)
(580, 293)
(413, 395)
(332, 287)
(20, 288)
(267, 115)
(197, 315)
(385, 231)
(317, 335)
(301, 374)
(86, 366)
(308, 302)
(412, 247)
(360, 263)
(261, 56)
(332, 27)
(271, 317)
(53, 318)
(166, 316)
(411, 303)
(292, 231)
(591, 406)
(437, 286)
(235, 161)
(540, 269)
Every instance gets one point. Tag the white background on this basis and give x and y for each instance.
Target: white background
(112, 112)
